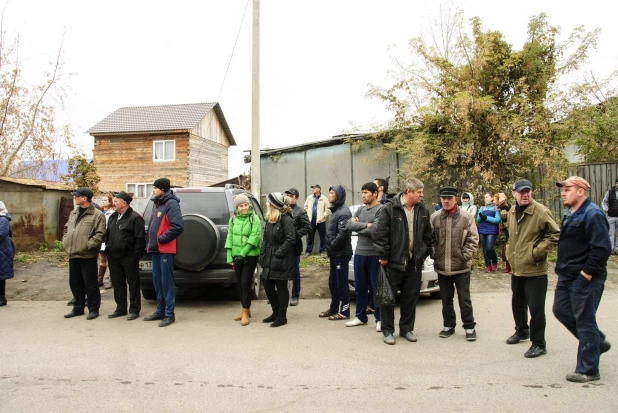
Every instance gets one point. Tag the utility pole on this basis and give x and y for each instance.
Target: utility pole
(256, 182)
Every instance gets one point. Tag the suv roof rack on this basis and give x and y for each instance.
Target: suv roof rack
(233, 186)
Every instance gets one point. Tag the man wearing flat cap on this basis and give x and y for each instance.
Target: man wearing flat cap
(583, 250)
(126, 243)
(456, 240)
(532, 232)
(82, 242)
(318, 210)
(302, 226)
(166, 225)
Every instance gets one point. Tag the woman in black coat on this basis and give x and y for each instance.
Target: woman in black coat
(277, 256)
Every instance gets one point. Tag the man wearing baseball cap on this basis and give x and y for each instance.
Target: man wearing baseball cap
(126, 243)
(82, 242)
(456, 240)
(532, 232)
(302, 226)
(583, 251)
(318, 210)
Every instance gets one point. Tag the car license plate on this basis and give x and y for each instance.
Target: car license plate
(145, 265)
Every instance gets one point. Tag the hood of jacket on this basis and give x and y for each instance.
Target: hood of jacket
(340, 191)
(467, 204)
(169, 195)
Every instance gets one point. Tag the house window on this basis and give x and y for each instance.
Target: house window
(163, 151)
(140, 190)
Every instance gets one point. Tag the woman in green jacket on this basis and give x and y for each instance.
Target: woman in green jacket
(243, 250)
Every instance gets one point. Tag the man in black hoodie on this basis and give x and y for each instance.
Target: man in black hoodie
(339, 250)
(403, 239)
(303, 226)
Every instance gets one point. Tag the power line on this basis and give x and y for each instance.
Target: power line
(199, 151)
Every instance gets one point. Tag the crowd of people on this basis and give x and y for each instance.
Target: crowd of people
(396, 233)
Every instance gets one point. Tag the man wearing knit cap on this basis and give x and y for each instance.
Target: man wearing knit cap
(610, 206)
(126, 242)
(583, 251)
(166, 224)
(532, 232)
(456, 240)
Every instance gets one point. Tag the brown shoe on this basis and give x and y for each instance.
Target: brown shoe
(244, 317)
(239, 316)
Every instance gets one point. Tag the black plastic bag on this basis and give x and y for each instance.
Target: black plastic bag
(384, 293)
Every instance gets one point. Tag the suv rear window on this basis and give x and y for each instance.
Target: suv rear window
(210, 204)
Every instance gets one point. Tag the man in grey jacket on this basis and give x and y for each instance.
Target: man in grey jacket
(456, 241)
(366, 259)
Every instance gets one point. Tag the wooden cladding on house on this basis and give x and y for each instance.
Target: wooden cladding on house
(129, 158)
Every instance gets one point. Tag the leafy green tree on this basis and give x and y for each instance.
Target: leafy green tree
(592, 120)
(471, 110)
(82, 173)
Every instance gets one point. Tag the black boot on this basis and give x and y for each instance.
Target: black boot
(270, 318)
(2, 300)
(281, 318)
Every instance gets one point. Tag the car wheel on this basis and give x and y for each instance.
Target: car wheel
(149, 294)
(198, 244)
(435, 294)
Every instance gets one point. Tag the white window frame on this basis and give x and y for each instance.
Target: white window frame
(154, 151)
(145, 187)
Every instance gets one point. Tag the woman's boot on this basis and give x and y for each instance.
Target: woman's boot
(239, 316)
(281, 318)
(271, 318)
(244, 317)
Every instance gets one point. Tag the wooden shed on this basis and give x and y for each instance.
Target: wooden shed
(186, 143)
(39, 210)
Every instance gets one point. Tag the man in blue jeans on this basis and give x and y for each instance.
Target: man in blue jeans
(318, 210)
(583, 250)
(366, 259)
(166, 224)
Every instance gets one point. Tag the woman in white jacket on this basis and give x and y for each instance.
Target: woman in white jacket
(467, 203)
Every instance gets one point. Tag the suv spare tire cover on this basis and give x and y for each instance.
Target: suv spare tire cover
(198, 244)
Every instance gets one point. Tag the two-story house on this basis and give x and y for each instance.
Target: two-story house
(186, 143)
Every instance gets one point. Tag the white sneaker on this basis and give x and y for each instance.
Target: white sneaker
(354, 323)
(379, 326)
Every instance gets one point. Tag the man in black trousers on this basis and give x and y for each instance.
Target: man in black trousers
(403, 239)
(126, 243)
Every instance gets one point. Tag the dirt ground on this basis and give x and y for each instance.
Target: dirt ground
(46, 279)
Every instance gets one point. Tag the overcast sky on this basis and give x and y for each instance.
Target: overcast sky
(317, 57)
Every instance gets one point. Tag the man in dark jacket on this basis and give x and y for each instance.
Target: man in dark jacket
(303, 226)
(126, 242)
(403, 239)
(583, 250)
(339, 250)
(610, 206)
(166, 224)
(82, 242)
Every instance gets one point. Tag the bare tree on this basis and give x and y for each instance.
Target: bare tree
(27, 111)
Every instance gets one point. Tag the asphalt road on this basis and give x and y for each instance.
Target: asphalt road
(207, 362)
